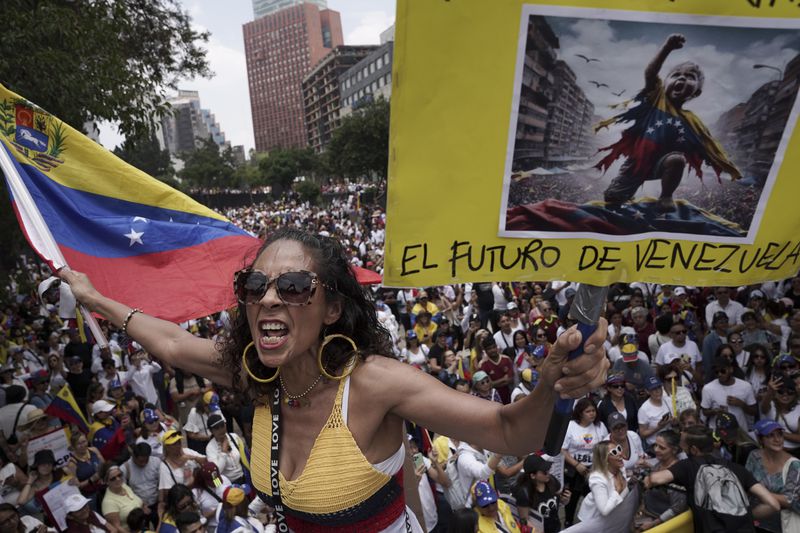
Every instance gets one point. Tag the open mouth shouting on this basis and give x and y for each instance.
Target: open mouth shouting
(273, 334)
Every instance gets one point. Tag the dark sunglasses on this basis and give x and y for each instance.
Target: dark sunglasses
(114, 478)
(679, 332)
(740, 341)
(617, 386)
(293, 288)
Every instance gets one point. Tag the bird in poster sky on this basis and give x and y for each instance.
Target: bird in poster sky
(598, 84)
(619, 93)
(587, 59)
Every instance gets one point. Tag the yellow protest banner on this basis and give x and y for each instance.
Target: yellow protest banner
(628, 141)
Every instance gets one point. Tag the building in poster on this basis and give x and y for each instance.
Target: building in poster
(280, 49)
(321, 93)
(266, 7)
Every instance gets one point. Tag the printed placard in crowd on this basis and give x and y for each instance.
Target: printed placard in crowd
(53, 502)
(55, 441)
(543, 140)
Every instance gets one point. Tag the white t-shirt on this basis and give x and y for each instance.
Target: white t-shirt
(141, 381)
(426, 499)
(167, 476)
(504, 340)
(688, 352)
(420, 358)
(716, 395)
(650, 415)
(637, 450)
(580, 440)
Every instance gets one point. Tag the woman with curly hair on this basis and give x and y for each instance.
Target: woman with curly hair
(307, 346)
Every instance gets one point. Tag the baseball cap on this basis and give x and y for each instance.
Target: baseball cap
(785, 358)
(210, 397)
(114, 384)
(478, 376)
(102, 406)
(719, 316)
(757, 293)
(209, 473)
(529, 375)
(421, 295)
(410, 335)
(540, 351)
(171, 437)
(215, 420)
(74, 359)
(679, 291)
(511, 306)
(75, 502)
(536, 463)
(652, 383)
(149, 416)
(233, 495)
(726, 423)
(766, 426)
(616, 419)
(484, 494)
(615, 377)
(630, 352)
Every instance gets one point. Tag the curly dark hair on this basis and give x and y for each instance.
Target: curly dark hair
(358, 320)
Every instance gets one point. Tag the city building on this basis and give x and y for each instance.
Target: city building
(752, 131)
(281, 49)
(188, 121)
(321, 93)
(367, 80)
(267, 7)
(568, 138)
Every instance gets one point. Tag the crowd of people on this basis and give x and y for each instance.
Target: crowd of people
(703, 386)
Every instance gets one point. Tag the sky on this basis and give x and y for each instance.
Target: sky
(226, 94)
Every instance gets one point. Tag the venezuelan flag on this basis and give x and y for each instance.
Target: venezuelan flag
(64, 407)
(140, 241)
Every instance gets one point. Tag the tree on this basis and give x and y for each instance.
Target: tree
(147, 156)
(308, 191)
(360, 146)
(207, 167)
(283, 165)
(100, 59)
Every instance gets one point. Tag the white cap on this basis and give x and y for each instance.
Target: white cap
(102, 406)
(679, 291)
(75, 502)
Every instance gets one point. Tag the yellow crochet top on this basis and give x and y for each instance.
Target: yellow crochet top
(336, 477)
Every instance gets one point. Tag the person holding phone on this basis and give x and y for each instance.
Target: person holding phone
(305, 329)
(655, 414)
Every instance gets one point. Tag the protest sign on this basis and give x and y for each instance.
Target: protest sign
(53, 502)
(544, 140)
(56, 441)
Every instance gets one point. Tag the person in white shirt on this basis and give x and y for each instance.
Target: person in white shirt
(528, 379)
(723, 302)
(140, 377)
(223, 449)
(608, 483)
(728, 394)
(655, 414)
(504, 337)
(583, 434)
(178, 464)
(474, 464)
(684, 348)
(141, 473)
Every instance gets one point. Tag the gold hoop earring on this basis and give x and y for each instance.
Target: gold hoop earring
(249, 373)
(351, 364)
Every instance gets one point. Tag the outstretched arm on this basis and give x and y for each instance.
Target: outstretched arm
(163, 339)
(515, 429)
(673, 42)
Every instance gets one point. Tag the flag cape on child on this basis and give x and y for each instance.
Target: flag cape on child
(140, 241)
(656, 124)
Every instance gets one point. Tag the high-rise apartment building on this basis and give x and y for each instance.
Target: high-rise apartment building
(322, 96)
(267, 7)
(281, 48)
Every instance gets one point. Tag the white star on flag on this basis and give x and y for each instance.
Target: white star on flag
(140, 219)
(135, 237)
(659, 124)
(651, 130)
(638, 215)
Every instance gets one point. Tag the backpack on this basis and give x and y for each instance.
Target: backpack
(718, 490)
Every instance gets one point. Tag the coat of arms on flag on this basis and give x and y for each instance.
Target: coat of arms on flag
(33, 132)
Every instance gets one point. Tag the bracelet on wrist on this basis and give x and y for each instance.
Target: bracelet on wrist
(128, 319)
